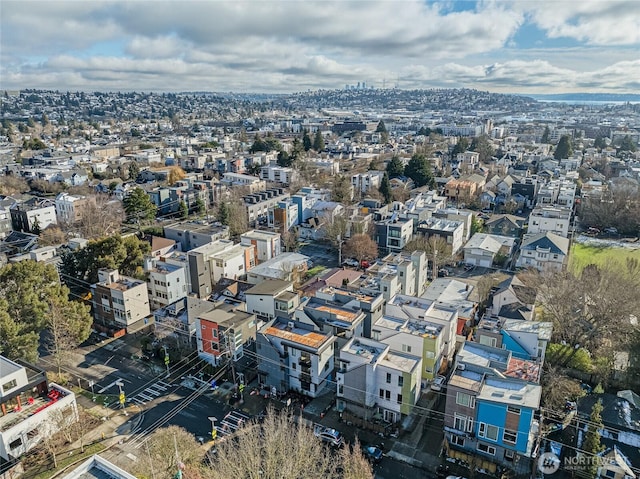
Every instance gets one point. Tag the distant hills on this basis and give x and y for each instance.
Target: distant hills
(590, 97)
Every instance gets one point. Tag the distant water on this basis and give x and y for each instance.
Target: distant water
(590, 102)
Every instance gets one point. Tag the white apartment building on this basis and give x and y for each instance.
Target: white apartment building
(277, 174)
(543, 251)
(166, 283)
(69, 208)
(268, 244)
(550, 219)
(363, 182)
(372, 379)
(32, 408)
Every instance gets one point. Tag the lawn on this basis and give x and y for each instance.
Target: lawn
(583, 255)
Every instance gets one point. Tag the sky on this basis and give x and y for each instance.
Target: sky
(281, 46)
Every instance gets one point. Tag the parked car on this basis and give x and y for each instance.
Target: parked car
(469, 267)
(330, 436)
(351, 262)
(443, 273)
(438, 383)
(365, 264)
(373, 453)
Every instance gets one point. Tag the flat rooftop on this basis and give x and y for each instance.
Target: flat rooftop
(340, 313)
(511, 391)
(468, 380)
(299, 336)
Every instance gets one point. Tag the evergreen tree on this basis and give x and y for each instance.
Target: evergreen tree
(395, 167)
(382, 129)
(306, 141)
(600, 143)
(284, 159)
(545, 135)
(385, 189)
(564, 149)
(138, 207)
(184, 210)
(483, 147)
(592, 444)
(223, 213)
(318, 141)
(627, 144)
(419, 170)
(35, 228)
(134, 170)
(258, 144)
(461, 146)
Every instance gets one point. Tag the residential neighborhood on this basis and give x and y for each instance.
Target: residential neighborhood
(407, 278)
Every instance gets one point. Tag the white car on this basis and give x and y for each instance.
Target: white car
(438, 383)
(351, 262)
(328, 435)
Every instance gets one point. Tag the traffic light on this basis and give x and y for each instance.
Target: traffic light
(166, 359)
(214, 434)
(122, 398)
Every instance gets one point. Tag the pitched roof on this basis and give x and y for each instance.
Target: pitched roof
(554, 243)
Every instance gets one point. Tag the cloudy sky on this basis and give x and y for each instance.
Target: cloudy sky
(519, 46)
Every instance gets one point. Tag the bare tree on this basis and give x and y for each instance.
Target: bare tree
(361, 247)
(166, 450)
(437, 249)
(100, 217)
(283, 448)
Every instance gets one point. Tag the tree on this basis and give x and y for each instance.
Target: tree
(318, 141)
(600, 143)
(461, 146)
(12, 184)
(306, 140)
(619, 209)
(592, 444)
(138, 207)
(395, 167)
(342, 190)
(68, 324)
(297, 150)
(165, 450)
(334, 228)
(183, 209)
(627, 144)
(258, 144)
(31, 123)
(134, 170)
(419, 170)
(25, 289)
(284, 159)
(385, 189)
(587, 309)
(290, 241)
(482, 145)
(564, 149)
(282, 447)
(100, 216)
(176, 174)
(45, 119)
(361, 247)
(200, 207)
(52, 235)
(33, 144)
(223, 213)
(437, 249)
(234, 215)
(79, 268)
(545, 135)
(382, 129)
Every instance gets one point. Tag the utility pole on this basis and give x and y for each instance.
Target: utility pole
(122, 397)
(166, 359)
(339, 251)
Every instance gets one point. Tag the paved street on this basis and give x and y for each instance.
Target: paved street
(321, 254)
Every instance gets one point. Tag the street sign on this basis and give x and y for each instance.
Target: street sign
(122, 398)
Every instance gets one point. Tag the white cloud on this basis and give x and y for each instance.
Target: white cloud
(600, 22)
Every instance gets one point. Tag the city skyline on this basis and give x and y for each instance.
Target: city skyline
(286, 46)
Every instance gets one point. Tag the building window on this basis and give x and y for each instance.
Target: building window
(464, 399)
(9, 385)
(457, 440)
(387, 395)
(610, 473)
(509, 436)
(513, 409)
(400, 381)
(508, 455)
(462, 423)
(406, 348)
(487, 449)
(388, 378)
(381, 393)
(15, 444)
(399, 399)
(488, 431)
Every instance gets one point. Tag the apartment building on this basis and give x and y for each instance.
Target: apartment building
(268, 244)
(410, 272)
(277, 174)
(166, 282)
(286, 266)
(271, 298)
(450, 231)
(69, 208)
(550, 219)
(363, 182)
(259, 203)
(374, 380)
(393, 234)
(33, 215)
(294, 356)
(215, 260)
(120, 302)
(194, 234)
(33, 409)
(224, 332)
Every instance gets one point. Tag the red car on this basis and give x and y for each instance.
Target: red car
(364, 264)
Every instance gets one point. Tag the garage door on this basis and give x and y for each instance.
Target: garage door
(485, 263)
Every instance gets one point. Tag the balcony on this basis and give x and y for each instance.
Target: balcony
(305, 361)
(30, 406)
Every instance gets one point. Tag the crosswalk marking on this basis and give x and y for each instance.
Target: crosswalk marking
(144, 396)
(139, 401)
